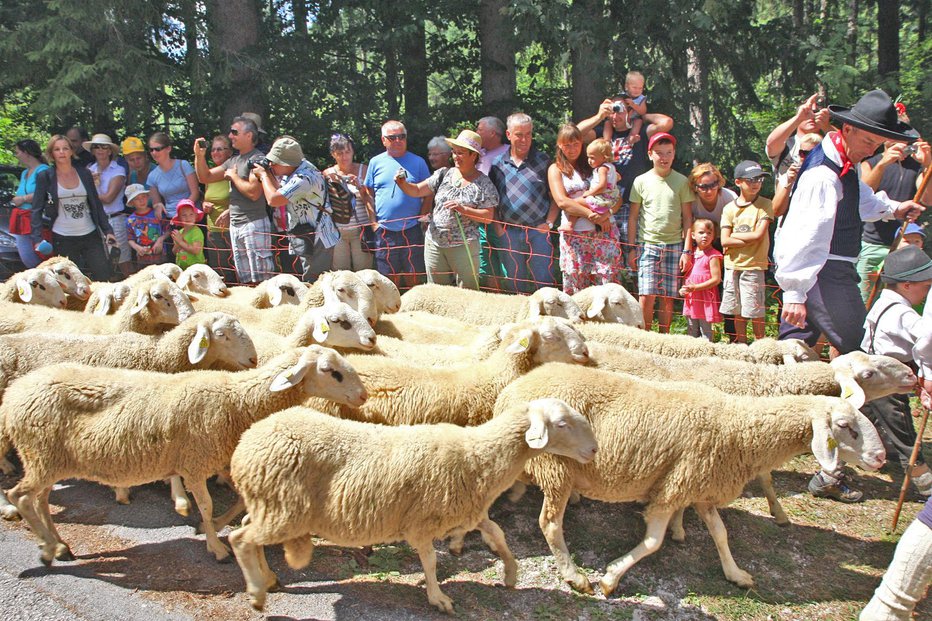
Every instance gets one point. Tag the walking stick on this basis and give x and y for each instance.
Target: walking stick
(909, 469)
(922, 188)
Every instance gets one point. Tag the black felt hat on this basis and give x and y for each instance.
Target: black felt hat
(875, 113)
(909, 264)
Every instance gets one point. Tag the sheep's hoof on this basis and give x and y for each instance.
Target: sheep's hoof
(183, 509)
(63, 553)
(581, 584)
(781, 520)
(606, 587)
(10, 513)
(511, 575)
(678, 536)
(442, 603)
(257, 601)
(46, 558)
(743, 579)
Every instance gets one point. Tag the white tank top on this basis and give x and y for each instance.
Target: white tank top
(74, 212)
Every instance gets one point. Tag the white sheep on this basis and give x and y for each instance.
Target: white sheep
(678, 346)
(151, 312)
(675, 444)
(302, 473)
(481, 307)
(124, 428)
(276, 291)
(202, 279)
(77, 286)
(385, 292)
(402, 393)
(105, 298)
(610, 303)
(337, 325)
(424, 327)
(36, 286)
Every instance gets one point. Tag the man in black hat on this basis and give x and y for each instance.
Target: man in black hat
(820, 241)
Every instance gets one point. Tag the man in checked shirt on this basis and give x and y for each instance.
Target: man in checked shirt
(526, 209)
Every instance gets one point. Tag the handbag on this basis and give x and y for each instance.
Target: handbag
(20, 221)
(367, 239)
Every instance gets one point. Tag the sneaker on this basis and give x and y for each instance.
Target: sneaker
(923, 483)
(826, 486)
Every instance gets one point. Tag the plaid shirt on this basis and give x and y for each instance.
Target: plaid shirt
(523, 190)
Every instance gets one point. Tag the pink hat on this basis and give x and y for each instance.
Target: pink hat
(188, 204)
(658, 137)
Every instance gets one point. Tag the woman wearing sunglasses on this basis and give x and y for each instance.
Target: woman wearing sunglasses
(172, 180)
(110, 178)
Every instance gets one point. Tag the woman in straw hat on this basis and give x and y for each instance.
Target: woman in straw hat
(110, 179)
(464, 198)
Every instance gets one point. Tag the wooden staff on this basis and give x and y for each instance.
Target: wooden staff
(922, 188)
(909, 469)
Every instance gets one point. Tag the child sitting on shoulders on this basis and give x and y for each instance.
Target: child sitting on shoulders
(189, 239)
(146, 231)
(603, 190)
(700, 293)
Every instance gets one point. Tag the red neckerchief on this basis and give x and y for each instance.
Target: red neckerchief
(839, 142)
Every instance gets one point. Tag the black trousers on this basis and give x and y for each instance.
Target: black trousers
(87, 251)
(894, 422)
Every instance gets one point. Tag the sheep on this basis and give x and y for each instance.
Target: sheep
(439, 354)
(610, 303)
(765, 350)
(672, 445)
(105, 298)
(122, 427)
(337, 325)
(856, 376)
(152, 309)
(277, 290)
(206, 341)
(343, 286)
(302, 473)
(481, 307)
(424, 327)
(202, 279)
(385, 292)
(37, 286)
(77, 286)
(401, 393)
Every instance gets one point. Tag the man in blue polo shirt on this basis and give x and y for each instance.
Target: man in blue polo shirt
(399, 239)
(526, 209)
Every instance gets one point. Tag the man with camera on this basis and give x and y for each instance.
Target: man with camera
(250, 229)
(297, 193)
(784, 141)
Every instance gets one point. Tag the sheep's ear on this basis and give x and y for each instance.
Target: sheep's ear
(290, 378)
(851, 391)
(824, 445)
(536, 435)
(24, 289)
(536, 308)
(789, 359)
(199, 345)
(141, 301)
(275, 296)
(522, 342)
(103, 304)
(321, 329)
(597, 306)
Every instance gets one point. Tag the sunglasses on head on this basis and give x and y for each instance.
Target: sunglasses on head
(396, 137)
(157, 149)
(705, 187)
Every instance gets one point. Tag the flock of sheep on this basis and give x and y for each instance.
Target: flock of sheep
(344, 411)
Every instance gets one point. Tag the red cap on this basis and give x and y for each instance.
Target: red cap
(661, 136)
(187, 203)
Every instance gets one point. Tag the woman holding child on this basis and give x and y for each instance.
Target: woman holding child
(590, 253)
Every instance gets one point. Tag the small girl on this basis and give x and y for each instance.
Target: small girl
(189, 239)
(603, 190)
(701, 288)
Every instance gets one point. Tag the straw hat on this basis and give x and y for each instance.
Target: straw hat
(101, 139)
(467, 139)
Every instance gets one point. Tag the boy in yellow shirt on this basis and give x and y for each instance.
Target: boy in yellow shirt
(745, 224)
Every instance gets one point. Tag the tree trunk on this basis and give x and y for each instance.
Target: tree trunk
(195, 68)
(698, 103)
(922, 12)
(852, 32)
(588, 88)
(888, 38)
(798, 16)
(414, 66)
(299, 8)
(237, 24)
(497, 58)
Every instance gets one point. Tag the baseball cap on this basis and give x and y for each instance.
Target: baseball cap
(749, 169)
(658, 137)
(132, 144)
(913, 228)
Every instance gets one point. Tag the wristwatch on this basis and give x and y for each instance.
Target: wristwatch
(551, 225)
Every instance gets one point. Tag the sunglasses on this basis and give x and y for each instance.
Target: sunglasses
(804, 152)
(157, 149)
(705, 187)
(755, 180)
(396, 137)
(234, 132)
(219, 149)
(100, 146)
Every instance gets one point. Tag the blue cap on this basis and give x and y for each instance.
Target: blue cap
(913, 228)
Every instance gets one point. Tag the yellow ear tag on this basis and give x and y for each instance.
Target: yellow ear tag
(325, 327)
(525, 342)
(204, 342)
(21, 291)
(846, 392)
(832, 445)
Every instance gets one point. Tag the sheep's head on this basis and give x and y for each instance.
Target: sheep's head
(221, 342)
(169, 271)
(611, 303)
(345, 286)
(109, 298)
(793, 350)
(864, 377)
(200, 278)
(284, 289)
(554, 303)
(72, 280)
(156, 297)
(335, 325)
(40, 286)
(322, 372)
(548, 339)
(386, 294)
(841, 432)
(557, 428)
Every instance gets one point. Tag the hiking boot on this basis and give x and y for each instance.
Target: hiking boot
(823, 485)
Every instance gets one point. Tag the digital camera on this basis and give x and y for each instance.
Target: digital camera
(910, 150)
(265, 163)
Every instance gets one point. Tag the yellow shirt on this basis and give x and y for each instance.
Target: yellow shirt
(217, 193)
(744, 219)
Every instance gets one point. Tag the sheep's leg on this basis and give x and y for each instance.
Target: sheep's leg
(457, 540)
(223, 520)
(713, 522)
(425, 550)
(551, 524)
(179, 496)
(517, 491)
(271, 580)
(776, 509)
(494, 538)
(247, 556)
(656, 529)
(62, 551)
(25, 500)
(121, 494)
(206, 506)
(677, 532)
(5, 465)
(7, 509)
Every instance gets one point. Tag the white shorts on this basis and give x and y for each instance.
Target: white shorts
(743, 293)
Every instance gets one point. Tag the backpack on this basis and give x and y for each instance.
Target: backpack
(341, 202)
